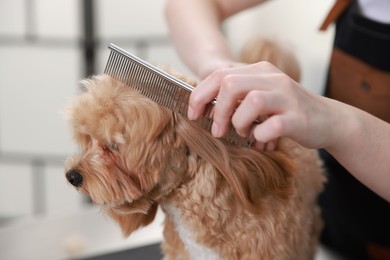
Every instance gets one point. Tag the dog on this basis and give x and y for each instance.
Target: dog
(221, 201)
(259, 48)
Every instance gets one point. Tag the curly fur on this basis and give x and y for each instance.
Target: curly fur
(262, 49)
(221, 201)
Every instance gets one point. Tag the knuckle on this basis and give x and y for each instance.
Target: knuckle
(255, 99)
(264, 65)
(228, 84)
(218, 75)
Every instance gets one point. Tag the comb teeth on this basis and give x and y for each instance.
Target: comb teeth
(160, 87)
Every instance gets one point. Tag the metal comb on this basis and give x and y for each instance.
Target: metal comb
(161, 87)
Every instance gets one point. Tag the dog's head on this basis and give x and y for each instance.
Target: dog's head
(130, 155)
(135, 152)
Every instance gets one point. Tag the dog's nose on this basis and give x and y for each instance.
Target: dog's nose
(75, 178)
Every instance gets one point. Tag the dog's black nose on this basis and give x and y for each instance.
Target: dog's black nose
(75, 178)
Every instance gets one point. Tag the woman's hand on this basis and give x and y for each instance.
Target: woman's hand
(358, 140)
(249, 93)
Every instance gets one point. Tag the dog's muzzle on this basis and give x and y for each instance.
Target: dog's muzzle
(75, 178)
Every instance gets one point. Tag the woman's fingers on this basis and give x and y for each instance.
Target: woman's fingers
(235, 91)
(255, 107)
(199, 98)
(206, 92)
(244, 96)
(271, 129)
(209, 88)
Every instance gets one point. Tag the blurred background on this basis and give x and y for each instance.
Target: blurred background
(46, 48)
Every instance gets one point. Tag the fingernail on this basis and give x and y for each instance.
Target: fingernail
(215, 130)
(190, 113)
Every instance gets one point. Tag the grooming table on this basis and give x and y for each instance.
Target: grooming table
(85, 235)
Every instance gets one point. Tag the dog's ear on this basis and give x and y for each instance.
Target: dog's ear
(130, 222)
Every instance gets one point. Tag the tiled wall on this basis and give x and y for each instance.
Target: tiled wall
(41, 62)
(39, 69)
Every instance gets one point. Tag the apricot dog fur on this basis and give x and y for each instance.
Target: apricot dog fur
(221, 201)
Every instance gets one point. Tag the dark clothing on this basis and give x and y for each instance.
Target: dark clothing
(357, 221)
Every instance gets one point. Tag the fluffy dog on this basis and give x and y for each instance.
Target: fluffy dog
(221, 201)
(266, 49)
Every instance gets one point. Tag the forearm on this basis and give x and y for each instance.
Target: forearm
(195, 28)
(363, 147)
(195, 31)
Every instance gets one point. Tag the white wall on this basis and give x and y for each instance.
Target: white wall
(36, 81)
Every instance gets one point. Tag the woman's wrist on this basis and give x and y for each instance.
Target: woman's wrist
(344, 128)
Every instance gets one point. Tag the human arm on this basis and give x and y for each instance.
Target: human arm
(358, 140)
(195, 28)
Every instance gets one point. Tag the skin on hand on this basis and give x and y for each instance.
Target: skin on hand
(248, 93)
